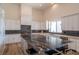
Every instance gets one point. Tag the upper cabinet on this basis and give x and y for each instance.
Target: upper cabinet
(12, 16)
(75, 22)
(12, 24)
(71, 22)
(26, 14)
(26, 10)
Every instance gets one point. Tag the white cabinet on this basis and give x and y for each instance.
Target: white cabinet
(73, 44)
(26, 20)
(64, 23)
(71, 22)
(75, 22)
(12, 38)
(26, 10)
(77, 40)
(26, 14)
(36, 25)
(12, 24)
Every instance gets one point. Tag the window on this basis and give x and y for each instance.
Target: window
(54, 26)
(59, 26)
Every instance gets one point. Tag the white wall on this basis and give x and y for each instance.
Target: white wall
(58, 10)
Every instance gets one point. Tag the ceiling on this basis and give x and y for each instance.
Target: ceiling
(40, 6)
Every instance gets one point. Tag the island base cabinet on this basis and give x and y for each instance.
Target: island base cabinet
(74, 44)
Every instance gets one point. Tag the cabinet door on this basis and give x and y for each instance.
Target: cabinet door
(73, 44)
(69, 23)
(26, 20)
(77, 40)
(26, 15)
(64, 23)
(75, 23)
(26, 10)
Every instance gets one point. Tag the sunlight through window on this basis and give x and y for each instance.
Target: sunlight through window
(54, 26)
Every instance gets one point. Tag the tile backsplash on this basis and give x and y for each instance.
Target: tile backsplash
(73, 33)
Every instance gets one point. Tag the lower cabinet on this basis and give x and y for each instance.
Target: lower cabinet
(12, 38)
(77, 45)
(24, 44)
(74, 44)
